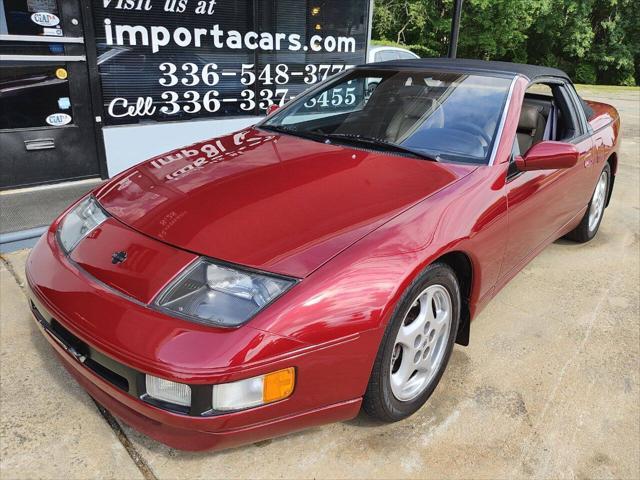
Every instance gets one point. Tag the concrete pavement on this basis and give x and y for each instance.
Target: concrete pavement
(548, 388)
(49, 427)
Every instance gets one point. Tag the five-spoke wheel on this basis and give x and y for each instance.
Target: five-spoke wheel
(416, 345)
(421, 342)
(599, 199)
(590, 222)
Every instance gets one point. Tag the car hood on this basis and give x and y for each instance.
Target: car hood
(273, 202)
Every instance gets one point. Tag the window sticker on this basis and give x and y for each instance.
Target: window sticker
(56, 32)
(45, 19)
(64, 103)
(42, 6)
(58, 119)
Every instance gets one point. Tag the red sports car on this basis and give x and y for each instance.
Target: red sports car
(326, 259)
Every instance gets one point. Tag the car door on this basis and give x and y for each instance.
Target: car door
(541, 203)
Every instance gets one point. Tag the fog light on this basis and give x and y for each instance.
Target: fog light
(167, 391)
(254, 391)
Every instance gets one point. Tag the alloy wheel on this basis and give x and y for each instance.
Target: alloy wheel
(421, 342)
(598, 201)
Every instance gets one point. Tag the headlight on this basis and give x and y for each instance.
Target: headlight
(216, 294)
(79, 222)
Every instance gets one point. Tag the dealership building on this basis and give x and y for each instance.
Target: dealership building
(89, 88)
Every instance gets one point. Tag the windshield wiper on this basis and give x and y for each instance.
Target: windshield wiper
(384, 144)
(294, 132)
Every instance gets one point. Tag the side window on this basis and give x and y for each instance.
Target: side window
(536, 117)
(578, 108)
(569, 125)
(548, 113)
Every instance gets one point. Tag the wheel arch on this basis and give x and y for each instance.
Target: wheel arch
(461, 264)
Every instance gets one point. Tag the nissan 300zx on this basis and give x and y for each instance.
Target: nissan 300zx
(326, 259)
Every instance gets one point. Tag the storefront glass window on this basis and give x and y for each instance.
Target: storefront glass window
(30, 17)
(34, 96)
(178, 60)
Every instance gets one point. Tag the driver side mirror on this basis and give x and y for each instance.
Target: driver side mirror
(272, 108)
(548, 155)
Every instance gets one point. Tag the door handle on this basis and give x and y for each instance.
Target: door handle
(40, 144)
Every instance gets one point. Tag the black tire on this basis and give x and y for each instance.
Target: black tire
(379, 400)
(583, 233)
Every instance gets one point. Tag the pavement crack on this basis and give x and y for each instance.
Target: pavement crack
(140, 462)
(526, 452)
(13, 273)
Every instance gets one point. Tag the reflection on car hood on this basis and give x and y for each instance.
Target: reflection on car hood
(273, 202)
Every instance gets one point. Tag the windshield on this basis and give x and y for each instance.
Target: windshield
(437, 115)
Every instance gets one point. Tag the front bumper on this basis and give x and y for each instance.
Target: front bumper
(100, 320)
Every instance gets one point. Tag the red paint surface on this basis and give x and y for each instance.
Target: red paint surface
(276, 203)
(548, 155)
(356, 226)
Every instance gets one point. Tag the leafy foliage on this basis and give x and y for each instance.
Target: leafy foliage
(595, 41)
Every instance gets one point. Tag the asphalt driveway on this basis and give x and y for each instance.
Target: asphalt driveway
(548, 388)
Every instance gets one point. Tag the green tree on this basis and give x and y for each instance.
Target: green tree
(562, 37)
(614, 55)
(593, 40)
(498, 29)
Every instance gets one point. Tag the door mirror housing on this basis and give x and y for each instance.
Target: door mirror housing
(548, 155)
(272, 108)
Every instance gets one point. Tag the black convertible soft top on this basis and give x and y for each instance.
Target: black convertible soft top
(532, 72)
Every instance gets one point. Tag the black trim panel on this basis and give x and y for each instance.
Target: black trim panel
(117, 374)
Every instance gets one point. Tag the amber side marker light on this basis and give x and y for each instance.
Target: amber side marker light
(254, 391)
(278, 385)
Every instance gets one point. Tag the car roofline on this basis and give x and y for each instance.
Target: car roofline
(419, 68)
(389, 47)
(479, 67)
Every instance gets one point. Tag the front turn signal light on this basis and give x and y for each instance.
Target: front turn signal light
(254, 391)
(278, 385)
